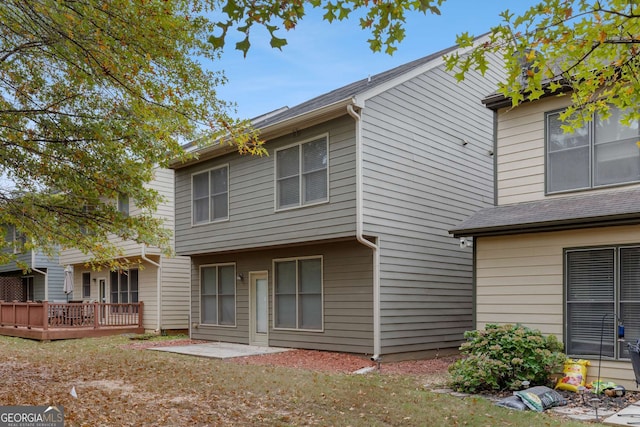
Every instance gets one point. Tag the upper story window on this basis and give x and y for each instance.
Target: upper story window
(603, 152)
(88, 211)
(211, 195)
(123, 204)
(302, 174)
(16, 239)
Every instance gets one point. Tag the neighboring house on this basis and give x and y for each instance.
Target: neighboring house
(162, 282)
(561, 250)
(338, 240)
(43, 281)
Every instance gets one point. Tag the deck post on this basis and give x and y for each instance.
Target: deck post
(96, 315)
(45, 315)
(140, 314)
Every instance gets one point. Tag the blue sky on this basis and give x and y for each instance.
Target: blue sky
(321, 56)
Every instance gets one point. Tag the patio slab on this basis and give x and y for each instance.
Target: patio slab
(220, 350)
(629, 416)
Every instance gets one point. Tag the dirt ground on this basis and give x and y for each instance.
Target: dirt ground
(326, 361)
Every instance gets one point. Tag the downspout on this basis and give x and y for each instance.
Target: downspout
(158, 285)
(360, 237)
(44, 273)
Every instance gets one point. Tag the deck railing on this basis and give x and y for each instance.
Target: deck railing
(45, 315)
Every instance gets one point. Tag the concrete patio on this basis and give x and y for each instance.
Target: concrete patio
(220, 350)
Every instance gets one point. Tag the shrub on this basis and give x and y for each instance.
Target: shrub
(502, 357)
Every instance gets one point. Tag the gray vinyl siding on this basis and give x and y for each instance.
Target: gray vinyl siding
(347, 293)
(55, 273)
(253, 221)
(420, 180)
(56, 279)
(12, 266)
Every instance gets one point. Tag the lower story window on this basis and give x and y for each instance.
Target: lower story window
(298, 293)
(218, 295)
(602, 291)
(124, 286)
(27, 285)
(86, 285)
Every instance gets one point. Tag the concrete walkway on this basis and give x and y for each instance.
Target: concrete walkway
(629, 416)
(220, 350)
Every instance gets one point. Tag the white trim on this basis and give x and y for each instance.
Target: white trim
(158, 266)
(360, 98)
(300, 204)
(208, 172)
(235, 295)
(44, 273)
(375, 248)
(273, 280)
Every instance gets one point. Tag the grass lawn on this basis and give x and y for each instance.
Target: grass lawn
(120, 386)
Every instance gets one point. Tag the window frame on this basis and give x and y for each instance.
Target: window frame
(591, 135)
(297, 297)
(123, 204)
(87, 284)
(28, 282)
(209, 197)
(301, 174)
(17, 239)
(117, 289)
(217, 295)
(609, 321)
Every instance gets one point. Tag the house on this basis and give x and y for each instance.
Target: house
(43, 281)
(561, 249)
(338, 239)
(161, 282)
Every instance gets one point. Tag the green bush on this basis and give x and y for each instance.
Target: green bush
(502, 357)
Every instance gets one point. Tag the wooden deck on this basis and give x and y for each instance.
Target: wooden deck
(56, 321)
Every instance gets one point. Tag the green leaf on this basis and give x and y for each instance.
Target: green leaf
(278, 43)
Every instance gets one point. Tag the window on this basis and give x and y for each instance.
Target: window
(123, 204)
(302, 174)
(124, 286)
(211, 195)
(88, 217)
(298, 294)
(86, 285)
(27, 286)
(218, 295)
(600, 153)
(16, 238)
(602, 288)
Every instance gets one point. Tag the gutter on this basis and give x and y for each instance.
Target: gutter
(360, 237)
(158, 266)
(270, 131)
(44, 273)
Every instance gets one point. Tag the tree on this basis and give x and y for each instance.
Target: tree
(585, 48)
(384, 19)
(95, 94)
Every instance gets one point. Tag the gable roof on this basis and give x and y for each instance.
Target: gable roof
(616, 207)
(352, 90)
(331, 104)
